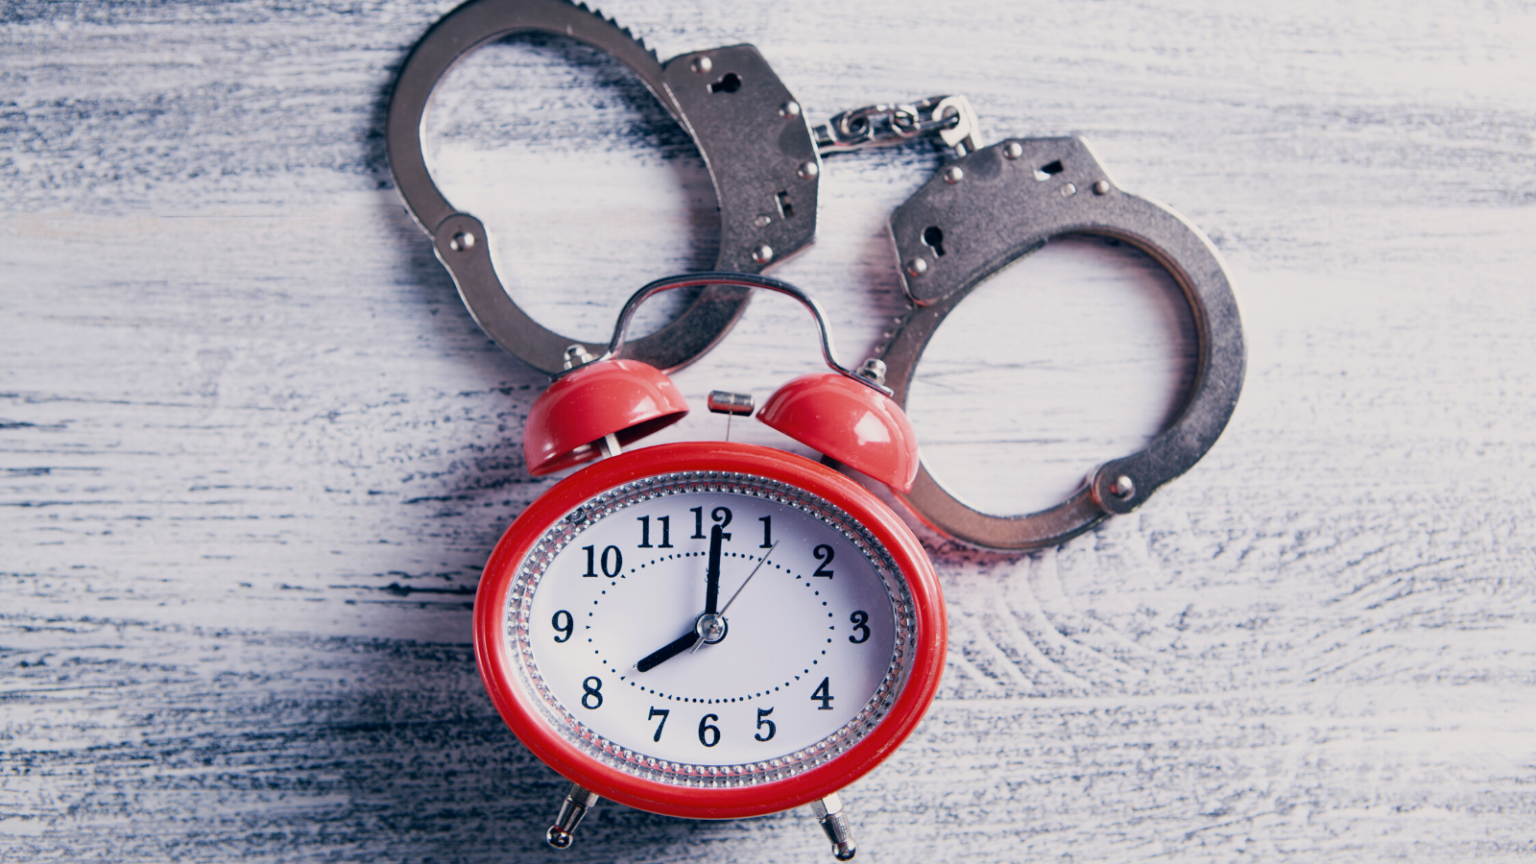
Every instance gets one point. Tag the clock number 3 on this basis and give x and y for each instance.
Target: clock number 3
(591, 697)
(860, 621)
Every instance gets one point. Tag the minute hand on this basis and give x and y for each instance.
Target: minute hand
(712, 573)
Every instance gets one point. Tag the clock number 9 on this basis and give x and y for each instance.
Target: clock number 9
(709, 734)
(860, 621)
(823, 552)
(563, 623)
(591, 699)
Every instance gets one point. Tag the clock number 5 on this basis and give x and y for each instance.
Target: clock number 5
(591, 697)
(823, 553)
(709, 733)
(762, 720)
(662, 713)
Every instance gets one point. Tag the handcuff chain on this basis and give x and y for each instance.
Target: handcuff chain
(951, 118)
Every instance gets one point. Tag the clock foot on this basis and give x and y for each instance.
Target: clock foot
(829, 812)
(576, 804)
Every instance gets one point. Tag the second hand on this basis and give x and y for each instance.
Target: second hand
(760, 563)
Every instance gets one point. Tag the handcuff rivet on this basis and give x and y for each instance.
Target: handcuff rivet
(789, 109)
(1068, 190)
(701, 65)
(917, 267)
(1101, 187)
(1122, 488)
(952, 174)
(762, 254)
(809, 170)
(1013, 150)
(461, 241)
(762, 221)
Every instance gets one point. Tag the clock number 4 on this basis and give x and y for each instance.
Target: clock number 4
(823, 694)
(662, 713)
(645, 532)
(612, 561)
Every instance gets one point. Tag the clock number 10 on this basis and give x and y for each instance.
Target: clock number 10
(612, 562)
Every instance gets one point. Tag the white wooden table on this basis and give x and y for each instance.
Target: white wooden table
(254, 451)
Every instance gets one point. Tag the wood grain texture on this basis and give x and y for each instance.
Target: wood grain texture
(253, 450)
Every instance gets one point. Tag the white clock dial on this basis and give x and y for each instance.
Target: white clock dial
(797, 656)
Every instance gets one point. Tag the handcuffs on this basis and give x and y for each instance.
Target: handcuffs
(983, 210)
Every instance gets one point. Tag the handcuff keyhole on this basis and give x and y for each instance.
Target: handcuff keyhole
(933, 238)
(786, 209)
(730, 83)
(1046, 172)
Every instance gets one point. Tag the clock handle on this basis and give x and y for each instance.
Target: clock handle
(829, 812)
(576, 804)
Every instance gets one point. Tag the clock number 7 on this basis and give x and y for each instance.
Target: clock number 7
(662, 713)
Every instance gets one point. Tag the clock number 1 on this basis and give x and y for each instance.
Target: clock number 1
(662, 713)
(767, 531)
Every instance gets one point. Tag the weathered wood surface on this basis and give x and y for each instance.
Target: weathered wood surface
(254, 450)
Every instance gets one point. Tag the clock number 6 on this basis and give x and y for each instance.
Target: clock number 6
(762, 720)
(709, 734)
(563, 623)
(662, 713)
(823, 552)
(591, 699)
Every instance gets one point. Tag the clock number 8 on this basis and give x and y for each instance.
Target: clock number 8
(709, 733)
(591, 699)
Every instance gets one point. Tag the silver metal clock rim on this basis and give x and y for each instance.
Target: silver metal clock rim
(516, 617)
(455, 233)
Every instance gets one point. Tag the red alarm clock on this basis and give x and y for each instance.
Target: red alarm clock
(711, 630)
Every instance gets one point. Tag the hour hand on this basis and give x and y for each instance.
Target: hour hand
(672, 649)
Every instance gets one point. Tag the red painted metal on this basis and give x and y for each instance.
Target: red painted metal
(850, 422)
(624, 398)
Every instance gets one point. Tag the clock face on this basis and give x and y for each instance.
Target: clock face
(710, 630)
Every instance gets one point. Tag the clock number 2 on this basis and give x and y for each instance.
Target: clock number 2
(591, 698)
(662, 713)
(823, 553)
